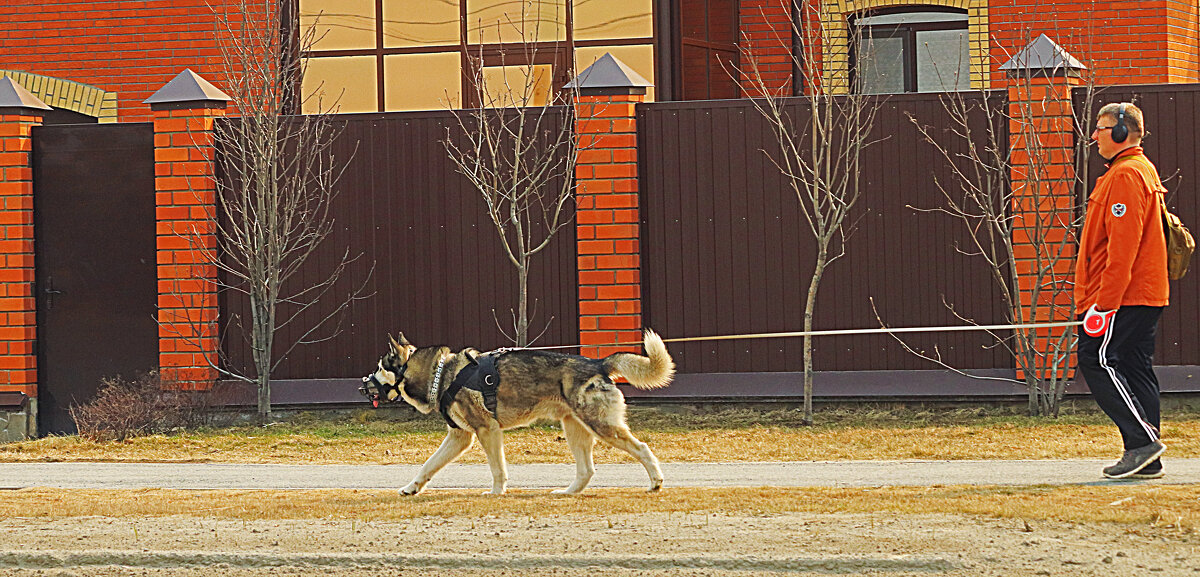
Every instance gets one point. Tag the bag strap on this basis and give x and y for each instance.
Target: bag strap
(1162, 201)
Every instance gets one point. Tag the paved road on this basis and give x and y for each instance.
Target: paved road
(801, 474)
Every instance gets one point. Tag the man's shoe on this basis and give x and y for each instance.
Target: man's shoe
(1134, 460)
(1152, 471)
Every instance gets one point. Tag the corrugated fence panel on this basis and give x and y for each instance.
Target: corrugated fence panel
(427, 251)
(727, 249)
(1172, 124)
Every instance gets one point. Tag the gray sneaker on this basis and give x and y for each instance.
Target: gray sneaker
(1152, 471)
(1143, 475)
(1134, 460)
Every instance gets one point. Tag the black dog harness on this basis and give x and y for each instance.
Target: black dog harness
(481, 375)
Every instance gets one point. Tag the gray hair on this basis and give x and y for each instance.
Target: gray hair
(1133, 117)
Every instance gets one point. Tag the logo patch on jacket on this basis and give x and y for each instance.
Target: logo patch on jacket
(1118, 210)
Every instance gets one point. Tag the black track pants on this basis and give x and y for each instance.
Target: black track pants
(1119, 368)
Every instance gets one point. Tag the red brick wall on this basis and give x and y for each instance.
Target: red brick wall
(1145, 42)
(1183, 41)
(766, 33)
(132, 48)
(185, 200)
(606, 220)
(18, 361)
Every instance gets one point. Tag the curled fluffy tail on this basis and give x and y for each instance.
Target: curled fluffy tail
(644, 372)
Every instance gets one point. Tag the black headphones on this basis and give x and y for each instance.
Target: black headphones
(1119, 131)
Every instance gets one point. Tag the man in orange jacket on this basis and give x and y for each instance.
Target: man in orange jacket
(1121, 290)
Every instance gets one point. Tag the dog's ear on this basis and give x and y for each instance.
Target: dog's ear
(402, 348)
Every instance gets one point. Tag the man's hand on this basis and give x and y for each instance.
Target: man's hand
(1095, 322)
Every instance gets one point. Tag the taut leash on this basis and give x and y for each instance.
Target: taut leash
(818, 334)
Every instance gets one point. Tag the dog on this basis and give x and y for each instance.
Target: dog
(575, 390)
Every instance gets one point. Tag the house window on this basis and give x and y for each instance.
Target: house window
(706, 60)
(392, 55)
(913, 51)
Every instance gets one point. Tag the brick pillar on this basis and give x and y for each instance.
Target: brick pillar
(606, 217)
(185, 112)
(1043, 195)
(20, 111)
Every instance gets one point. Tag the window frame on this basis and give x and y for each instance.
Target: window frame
(908, 32)
(670, 43)
(560, 55)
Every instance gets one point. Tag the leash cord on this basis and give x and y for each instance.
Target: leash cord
(818, 334)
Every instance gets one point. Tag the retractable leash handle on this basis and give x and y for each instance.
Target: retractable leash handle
(1095, 321)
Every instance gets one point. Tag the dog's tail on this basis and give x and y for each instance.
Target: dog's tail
(652, 371)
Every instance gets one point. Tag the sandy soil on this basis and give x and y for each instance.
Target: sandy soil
(651, 544)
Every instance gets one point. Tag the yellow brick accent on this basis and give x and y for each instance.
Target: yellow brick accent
(68, 95)
(108, 108)
(836, 37)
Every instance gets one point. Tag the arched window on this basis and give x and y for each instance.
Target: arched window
(912, 51)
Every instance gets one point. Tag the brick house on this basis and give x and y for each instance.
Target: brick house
(97, 61)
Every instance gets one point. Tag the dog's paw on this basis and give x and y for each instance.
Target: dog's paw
(655, 486)
(565, 491)
(410, 489)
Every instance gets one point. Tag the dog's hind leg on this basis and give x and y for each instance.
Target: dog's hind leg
(491, 438)
(456, 441)
(620, 437)
(581, 440)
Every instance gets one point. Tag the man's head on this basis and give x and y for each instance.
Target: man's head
(1111, 116)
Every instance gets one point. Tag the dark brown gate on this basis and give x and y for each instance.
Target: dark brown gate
(95, 261)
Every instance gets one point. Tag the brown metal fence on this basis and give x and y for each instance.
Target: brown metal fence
(1172, 115)
(726, 249)
(439, 272)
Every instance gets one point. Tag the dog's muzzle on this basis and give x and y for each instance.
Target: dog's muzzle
(371, 389)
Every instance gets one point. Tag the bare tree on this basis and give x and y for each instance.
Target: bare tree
(821, 136)
(518, 149)
(1010, 198)
(278, 178)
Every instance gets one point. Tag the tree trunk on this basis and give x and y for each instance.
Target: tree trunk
(1031, 377)
(263, 328)
(810, 306)
(523, 303)
(264, 398)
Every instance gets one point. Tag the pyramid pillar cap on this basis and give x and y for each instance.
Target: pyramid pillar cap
(14, 99)
(608, 75)
(1043, 57)
(187, 90)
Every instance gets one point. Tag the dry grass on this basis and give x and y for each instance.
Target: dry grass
(1161, 506)
(368, 437)
(725, 436)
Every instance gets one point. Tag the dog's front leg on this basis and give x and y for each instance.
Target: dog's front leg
(581, 441)
(456, 441)
(492, 440)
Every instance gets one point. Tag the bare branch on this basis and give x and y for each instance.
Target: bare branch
(519, 150)
(279, 179)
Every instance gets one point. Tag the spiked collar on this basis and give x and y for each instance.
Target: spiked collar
(436, 386)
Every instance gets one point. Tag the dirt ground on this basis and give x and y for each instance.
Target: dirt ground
(658, 544)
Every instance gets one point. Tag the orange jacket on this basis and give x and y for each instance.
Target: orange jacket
(1122, 252)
